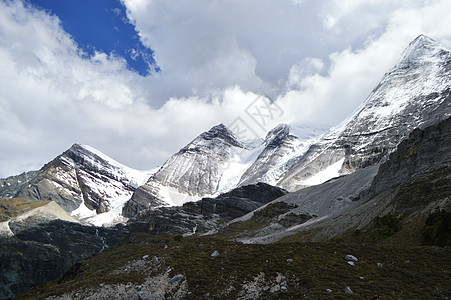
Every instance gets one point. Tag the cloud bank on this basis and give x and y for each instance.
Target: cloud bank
(317, 61)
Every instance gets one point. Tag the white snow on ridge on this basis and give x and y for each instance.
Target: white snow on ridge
(136, 177)
(419, 72)
(175, 198)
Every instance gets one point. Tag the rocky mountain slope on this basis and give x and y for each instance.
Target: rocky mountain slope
(279, 147)
(216, 162)
(415, 93)
(19, 209)
(410, 186)
(81, 180)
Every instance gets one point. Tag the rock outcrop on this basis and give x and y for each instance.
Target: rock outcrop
(207, 214)
(43, 250)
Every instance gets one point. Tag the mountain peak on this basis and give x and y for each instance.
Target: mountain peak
(277, 134)
(221, 132)
(75, 147)
(80, 152)
(220, 128)
(422, 40)
(422, 48)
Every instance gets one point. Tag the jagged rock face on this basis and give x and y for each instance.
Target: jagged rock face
(423, 152)
(215, 162)
(415, 93)
(12, 185)
(42, 251)
(237, 202)
(207, 214)
(143, 198)
(413, 182)
(78, 176)
(55, 181)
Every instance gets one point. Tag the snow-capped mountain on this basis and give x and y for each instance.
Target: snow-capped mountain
(84, 181)
(415, 93)
(213, 162)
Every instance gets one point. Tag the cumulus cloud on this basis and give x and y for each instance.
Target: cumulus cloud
(317, 61)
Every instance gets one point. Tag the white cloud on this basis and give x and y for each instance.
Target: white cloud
(216, 57)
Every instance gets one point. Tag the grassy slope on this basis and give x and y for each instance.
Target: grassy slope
(12, 207)
(408, 273)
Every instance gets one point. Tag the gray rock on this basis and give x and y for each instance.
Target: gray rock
(214, 254)
(143, 198)
(207, 214)
(176, 278)
(348, 290)
(350, 257)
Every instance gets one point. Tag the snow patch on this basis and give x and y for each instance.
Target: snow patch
(240, 160)
(83, 212)
(328, 173)
(174, 197)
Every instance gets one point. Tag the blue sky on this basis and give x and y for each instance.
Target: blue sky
(68, 73)
(102, 25)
